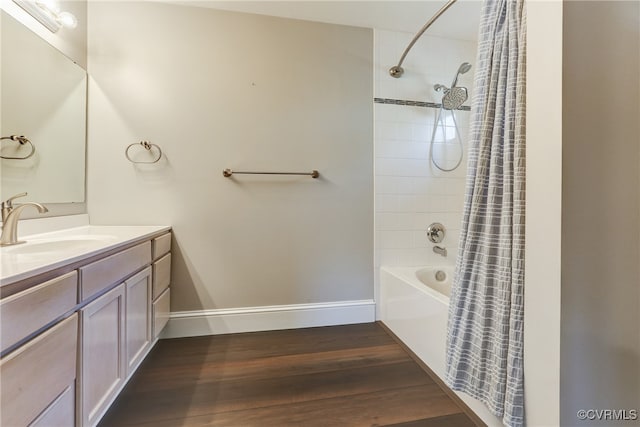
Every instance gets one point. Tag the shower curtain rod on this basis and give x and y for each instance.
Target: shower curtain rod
(397, 71)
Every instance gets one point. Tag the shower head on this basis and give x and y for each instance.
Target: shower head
(455, 96)
(464, 67)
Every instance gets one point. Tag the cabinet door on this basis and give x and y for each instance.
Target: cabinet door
(138, 318)
(102, 353)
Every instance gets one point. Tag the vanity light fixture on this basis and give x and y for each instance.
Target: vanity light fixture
(48, 13)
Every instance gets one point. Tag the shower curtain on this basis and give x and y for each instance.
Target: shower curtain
(485, 331)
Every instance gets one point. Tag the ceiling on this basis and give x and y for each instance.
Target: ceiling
(461, 21)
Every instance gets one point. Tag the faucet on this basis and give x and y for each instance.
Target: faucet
(10, 217)
(440, 250)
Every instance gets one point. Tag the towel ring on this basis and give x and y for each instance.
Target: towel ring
(22, 140)
(147, 146)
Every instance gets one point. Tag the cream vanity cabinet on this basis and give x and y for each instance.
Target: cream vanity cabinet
(37, 375)
(74, 341)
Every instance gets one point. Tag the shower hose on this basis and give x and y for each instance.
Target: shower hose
(440, 122)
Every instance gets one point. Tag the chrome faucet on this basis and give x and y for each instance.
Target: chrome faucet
(10, 217)
(440, 250)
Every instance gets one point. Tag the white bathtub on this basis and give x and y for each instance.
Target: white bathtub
(415, 306)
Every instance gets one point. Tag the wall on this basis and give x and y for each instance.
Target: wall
(600, 351)
(544, 210)
(410, 193)
(223, 90)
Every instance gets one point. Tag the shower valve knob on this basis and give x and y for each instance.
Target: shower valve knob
(435, 232)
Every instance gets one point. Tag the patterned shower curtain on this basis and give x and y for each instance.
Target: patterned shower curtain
(486, 315)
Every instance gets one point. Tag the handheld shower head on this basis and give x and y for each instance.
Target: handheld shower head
(464, 67)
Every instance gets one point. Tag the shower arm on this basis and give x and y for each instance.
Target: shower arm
(397, 70)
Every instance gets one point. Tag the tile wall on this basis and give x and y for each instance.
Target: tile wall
(410, 193)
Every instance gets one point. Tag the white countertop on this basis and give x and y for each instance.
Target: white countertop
(48, 251)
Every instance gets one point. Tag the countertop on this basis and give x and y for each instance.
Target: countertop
(44, 252)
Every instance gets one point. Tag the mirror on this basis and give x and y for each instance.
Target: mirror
(43, 97)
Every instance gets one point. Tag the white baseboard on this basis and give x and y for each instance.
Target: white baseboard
(267, 318)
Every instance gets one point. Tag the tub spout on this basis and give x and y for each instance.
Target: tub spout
(440, 250)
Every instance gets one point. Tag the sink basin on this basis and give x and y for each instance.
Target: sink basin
(71, 243)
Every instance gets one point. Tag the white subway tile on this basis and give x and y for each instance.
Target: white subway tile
(386, 203)
(420, 239)
(385, 130)
(406, 203)
(424, 219)
(386, 185)
(425, 203)
(406, 257)
(388, 257)
(405, 185)
(454, 203)
(406, 221)
(395, 239)
(386, 221)
(384, 148)
(423, 185)
(386, 166)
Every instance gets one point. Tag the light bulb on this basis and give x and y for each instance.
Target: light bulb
(67, 20)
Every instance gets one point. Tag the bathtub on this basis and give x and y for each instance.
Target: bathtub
(414, 305)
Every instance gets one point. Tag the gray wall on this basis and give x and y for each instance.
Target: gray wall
(600, 350)
(228, 90)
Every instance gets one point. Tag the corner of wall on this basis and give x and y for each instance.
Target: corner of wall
(544, 212)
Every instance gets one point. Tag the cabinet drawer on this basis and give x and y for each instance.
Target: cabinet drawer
(62, 412)
(161, 310)
(161, 245)
(24, 313)
(108, 271)
(161, 275)
(37, 373)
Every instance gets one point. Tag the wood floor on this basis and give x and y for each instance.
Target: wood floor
(354, 375)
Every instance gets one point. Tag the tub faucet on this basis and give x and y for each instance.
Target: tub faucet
(10, 217)
(440, 250)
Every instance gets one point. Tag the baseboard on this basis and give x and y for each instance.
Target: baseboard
(267, 318)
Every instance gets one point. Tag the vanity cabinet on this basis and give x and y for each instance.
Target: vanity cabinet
(70, 344)
(117, 328)
(102, 367)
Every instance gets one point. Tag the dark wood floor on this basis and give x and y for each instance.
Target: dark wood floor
(354, 375)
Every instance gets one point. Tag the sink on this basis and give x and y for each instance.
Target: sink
(70, 243)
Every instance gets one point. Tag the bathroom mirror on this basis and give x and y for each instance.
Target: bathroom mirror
(43, 97)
